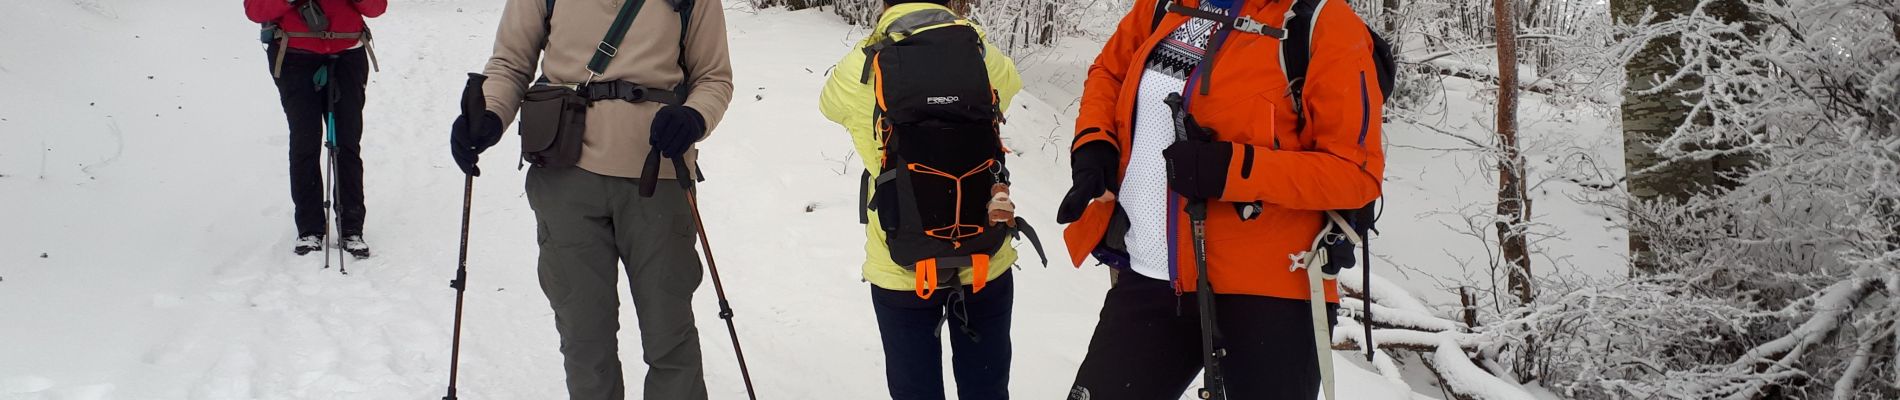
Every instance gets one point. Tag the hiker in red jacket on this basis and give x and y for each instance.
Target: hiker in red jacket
(319, 55)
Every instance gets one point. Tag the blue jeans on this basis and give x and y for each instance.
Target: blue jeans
(913, 359)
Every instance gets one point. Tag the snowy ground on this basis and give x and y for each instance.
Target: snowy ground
(146, 226)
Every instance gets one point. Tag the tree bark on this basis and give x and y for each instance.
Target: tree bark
(1514, 202)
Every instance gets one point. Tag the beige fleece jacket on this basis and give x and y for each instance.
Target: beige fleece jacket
(616, 140)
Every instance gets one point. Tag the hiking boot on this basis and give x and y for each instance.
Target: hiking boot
(308, 243)
(355, 246)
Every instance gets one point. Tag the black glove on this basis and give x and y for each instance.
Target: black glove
(1197, 169)
(675, 129)
(467, 146)
(1092, 168)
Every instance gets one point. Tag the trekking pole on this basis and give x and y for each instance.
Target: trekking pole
(1214, 383)
(683, 175)
(322, 81)
(341, 265)
(471, 101)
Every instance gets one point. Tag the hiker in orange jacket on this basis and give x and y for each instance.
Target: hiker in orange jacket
(1266, 171)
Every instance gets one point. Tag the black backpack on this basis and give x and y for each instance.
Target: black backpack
(938, 120)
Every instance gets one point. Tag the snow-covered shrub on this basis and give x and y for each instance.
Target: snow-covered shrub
(1787, 284)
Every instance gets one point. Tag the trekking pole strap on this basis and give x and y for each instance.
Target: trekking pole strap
(864, 198)
(682, 173)
(649, 174)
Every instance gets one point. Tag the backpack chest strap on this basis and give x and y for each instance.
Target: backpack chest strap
(1243, 23)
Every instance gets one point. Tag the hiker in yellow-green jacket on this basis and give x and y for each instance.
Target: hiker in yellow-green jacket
(938, 88)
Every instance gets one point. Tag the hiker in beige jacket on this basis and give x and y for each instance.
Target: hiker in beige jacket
(663, 89)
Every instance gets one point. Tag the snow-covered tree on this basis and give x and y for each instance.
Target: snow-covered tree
(1784, 283)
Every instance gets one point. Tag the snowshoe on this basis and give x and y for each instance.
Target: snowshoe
(308, 243)
(355, 245)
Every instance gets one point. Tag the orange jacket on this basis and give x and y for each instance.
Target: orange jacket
(1337, 162)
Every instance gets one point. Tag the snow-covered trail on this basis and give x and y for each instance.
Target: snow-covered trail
(146, 225)
(162, 216)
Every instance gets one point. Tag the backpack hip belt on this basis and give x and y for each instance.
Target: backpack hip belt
(282, 37)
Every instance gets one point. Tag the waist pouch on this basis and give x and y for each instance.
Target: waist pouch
(553, 121)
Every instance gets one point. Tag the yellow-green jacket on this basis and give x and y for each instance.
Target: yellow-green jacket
(850, 103)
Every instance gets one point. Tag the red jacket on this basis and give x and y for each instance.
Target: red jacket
(1336, 163)
(346, 16)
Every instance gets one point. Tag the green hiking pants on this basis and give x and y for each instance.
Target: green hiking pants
(586, 225)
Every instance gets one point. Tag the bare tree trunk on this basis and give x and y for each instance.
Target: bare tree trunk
(1513, 202)
(1469, 309)
(1513, 198)
(1893, 23)
(1648, 119)
(1392, 19)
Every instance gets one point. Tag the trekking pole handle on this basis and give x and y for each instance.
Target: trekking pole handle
(473, 103)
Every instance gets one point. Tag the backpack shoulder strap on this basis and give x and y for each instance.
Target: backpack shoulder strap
(1296, 53)
(547, 20)
(1161, 10)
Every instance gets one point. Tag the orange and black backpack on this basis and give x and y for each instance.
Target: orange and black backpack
(938, 122)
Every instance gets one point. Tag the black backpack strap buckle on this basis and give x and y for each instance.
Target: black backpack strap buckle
(631, 93)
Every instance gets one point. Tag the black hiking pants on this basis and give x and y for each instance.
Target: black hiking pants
(913, 350)
(1148, 345)
(305, 106)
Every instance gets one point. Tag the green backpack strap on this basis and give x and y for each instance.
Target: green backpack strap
(685, 9)
(604, 52)
(608, 47)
